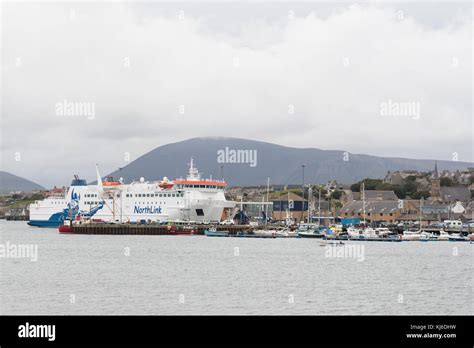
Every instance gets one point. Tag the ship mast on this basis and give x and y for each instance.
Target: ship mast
(193, 173)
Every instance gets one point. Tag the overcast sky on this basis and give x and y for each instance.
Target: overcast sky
(302, 75)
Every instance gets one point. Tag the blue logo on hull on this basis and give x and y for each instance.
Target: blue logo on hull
(72, 210)
(147, 210)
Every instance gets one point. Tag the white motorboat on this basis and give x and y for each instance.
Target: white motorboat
(265, 233)
(309, 231)
(382, 231)
(285, 233)
(355, 233)
(443, 236)
(411, 235)
(370, 233)
(427, 236)
(458, 238)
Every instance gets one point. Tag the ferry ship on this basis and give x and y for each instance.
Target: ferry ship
(184, 199)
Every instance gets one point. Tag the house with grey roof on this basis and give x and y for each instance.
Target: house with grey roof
(379, 195)
(386, 210)
(455, 193)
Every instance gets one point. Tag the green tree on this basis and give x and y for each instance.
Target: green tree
(355, 187)
(410, 187)
(445, 181)
(37, 196)
(336, 195)
(399, 191)
(370, 184)
(316, 190)
(384, 186)
(420, 195)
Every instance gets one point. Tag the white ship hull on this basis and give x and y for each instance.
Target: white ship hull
(190, 199)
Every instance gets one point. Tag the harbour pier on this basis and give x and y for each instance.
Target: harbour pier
(148, 229)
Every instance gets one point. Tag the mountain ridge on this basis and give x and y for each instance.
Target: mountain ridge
(281, 163)
(10, 183)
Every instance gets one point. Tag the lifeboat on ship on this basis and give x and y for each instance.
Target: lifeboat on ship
(165, 184)
(111, 184)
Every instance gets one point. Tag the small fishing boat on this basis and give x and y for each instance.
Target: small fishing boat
(343, 236)
(427, 236)
(212, 232)
(458, 238)
(256, 234)
(285, 233)
(328, 233)
(369, 233)
(411, 235)
(424, 238)
(66, 227)
(310, 234)
(383, 231)
(245, 234)
(308, 231)
(355, 233)
(188, 230)
(392, 237)
(443, 236)
(265, 233)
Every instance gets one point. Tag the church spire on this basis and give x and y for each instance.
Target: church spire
(435, 172)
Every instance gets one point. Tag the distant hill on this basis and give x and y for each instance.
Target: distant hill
(282, 164)
(10, 182)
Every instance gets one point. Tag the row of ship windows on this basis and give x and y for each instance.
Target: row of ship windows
(90, 195)
(155, 195)
(200, 186)
(153, 202)
(92, 203)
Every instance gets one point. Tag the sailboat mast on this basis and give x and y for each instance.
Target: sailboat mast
(266, 205)
(421, 204)
(363, 200)
(319, 207)
(310, 191)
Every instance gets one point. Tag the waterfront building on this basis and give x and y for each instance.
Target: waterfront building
(451, 194)
(289, 204)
